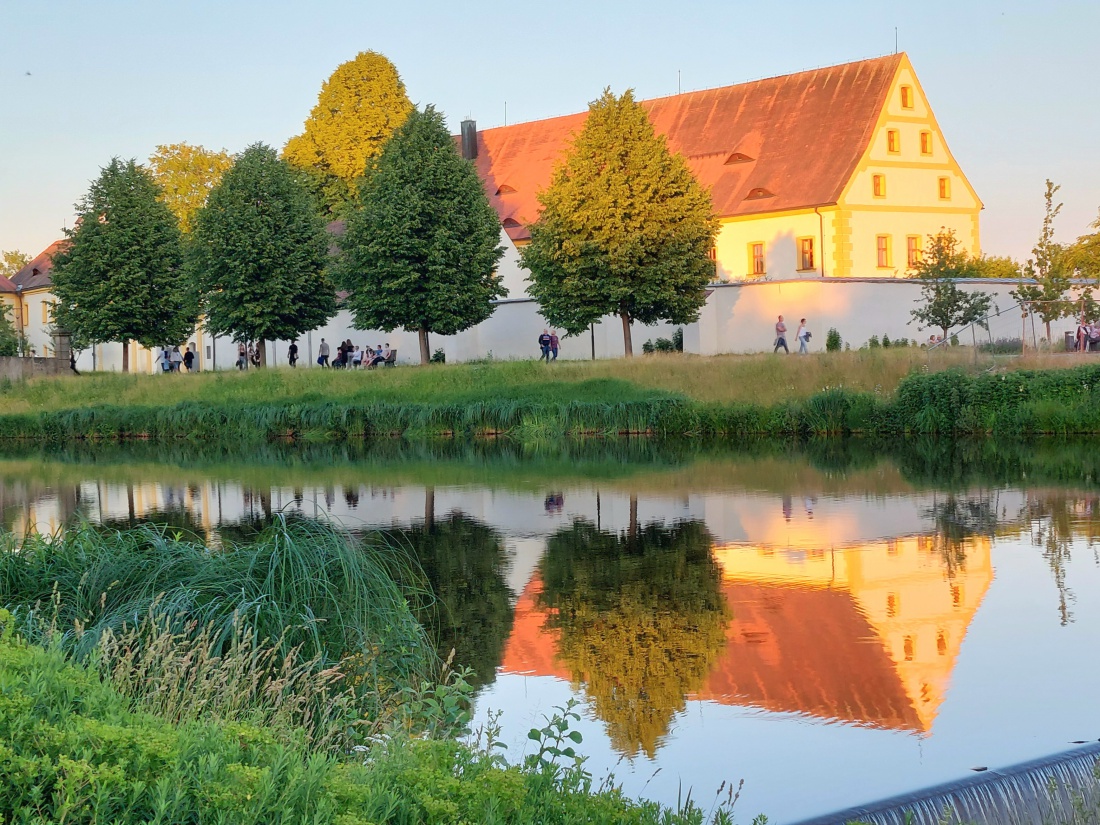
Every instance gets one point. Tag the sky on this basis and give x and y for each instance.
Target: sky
(1015, 85)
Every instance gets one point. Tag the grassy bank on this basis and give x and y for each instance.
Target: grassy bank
(877, 392)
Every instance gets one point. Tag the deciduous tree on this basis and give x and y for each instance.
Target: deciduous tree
(258, 254)
(945, 305)
(186, 174)
(119, 279)
(1048, 276)
(361, 104)
(9, 337)
(421, 249)
(1084, 256)
(625, 228)
(11, 261)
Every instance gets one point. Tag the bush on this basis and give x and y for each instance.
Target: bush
(872, 342)
(678, 339)
(885, 341)
(439, 357)
(832, 340)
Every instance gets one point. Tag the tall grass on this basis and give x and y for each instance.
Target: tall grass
(301, 588)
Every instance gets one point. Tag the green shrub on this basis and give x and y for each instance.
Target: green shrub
(872, 342)
(885, 341)
(678, 339)
(439, 357)
(832, 340)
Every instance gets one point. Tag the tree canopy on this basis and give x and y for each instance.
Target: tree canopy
(360, 106)
(625, 228)
(945, 305)
(119, 278)
(421, 249)
(186, 174)
(1084, 255)
(11, 261)
(258, 254)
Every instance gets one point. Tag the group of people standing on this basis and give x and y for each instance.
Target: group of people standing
(172, 360)
(349, 355)
(803, 336)
(549, 343)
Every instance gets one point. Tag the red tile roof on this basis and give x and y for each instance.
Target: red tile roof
(36, 274)
(798, 137)
(6, 285)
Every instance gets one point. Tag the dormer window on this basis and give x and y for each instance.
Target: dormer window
(511, 223)
(758, 193)
(738, 157)
(907, 97)
(505, 189)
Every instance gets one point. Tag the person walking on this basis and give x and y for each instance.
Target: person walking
(781, 336)
(555, 343)
(292, 353)
(322, 353)
(189, 359)
(242, 358)
(544, 345)
(177, 359)
(803, 336)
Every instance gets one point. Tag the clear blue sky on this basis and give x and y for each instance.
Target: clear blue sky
(1014, 84)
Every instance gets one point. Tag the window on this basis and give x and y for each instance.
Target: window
(891, 605)
(912, 250)
(878, 185)
(758, 193)
(945, 189)
(882, 243)
(26, 313)
(893, 141)
(956, 596)
(926, 143)
(45, 313)
(907, 97)
(907, 646)
(805, 254)
(756, 259)
(941, 643)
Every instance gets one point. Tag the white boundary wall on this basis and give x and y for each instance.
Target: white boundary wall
(737, 318)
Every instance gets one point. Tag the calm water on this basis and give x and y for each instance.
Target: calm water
(831, 623)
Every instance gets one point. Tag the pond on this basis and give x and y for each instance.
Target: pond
(828, 623)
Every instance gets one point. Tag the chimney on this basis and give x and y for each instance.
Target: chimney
(469, 139)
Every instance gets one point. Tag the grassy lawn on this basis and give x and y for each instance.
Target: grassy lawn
(763, 379)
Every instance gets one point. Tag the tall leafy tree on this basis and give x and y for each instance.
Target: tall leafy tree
(11, 261)
(186, 174)
(945, 305)
(119, 278)
(9, 339)
(1045, 291)
(625, 228)
(421, 250)
(361, 104)
(1084, 255)
(258, 254)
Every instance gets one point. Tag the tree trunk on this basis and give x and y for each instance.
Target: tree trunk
(429, 508)
(628, 345)
(1048, 336)
(632, 529)
(425, 356)
(125, 356)
(261, 348)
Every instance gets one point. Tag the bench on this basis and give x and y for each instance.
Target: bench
(389, 362)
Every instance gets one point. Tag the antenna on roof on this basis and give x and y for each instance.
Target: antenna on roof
(506, 113)
(677, 81)
(895, 39)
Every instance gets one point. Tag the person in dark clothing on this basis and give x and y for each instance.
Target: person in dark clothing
(544, 345)
(189, 360)
(292, 353)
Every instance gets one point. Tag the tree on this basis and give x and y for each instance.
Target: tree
(9, 338)
(945, 305)
(421, 250)
(996, 266)
(625, 228)
(258, 254)
(1084, 256)
(11, 261)
(1045, 294)
(119, 278)
(186, 174)
(360, 106)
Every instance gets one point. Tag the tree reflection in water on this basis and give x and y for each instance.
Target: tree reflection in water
(642, 621)
(464, 562)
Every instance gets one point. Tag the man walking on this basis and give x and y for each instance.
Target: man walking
(781, 336)
(544, 345)
(322, 353)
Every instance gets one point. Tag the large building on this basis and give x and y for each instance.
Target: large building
(836, 172)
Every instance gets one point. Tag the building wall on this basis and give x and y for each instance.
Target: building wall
(779, 232)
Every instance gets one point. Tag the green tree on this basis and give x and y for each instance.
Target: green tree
(1045, 292)
(944, 304)
(420, 251)
(186, 174)
(996, 266)
(11, 261)
(119, 279)
(258, 254)
(9, 337)
(1084, 256)
(360, 106)
(625, 228)
(642, 619)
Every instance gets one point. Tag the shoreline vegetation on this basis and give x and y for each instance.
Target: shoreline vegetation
(868, 393)
(148, 677)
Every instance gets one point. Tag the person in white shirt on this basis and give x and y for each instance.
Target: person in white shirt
(803, 336)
